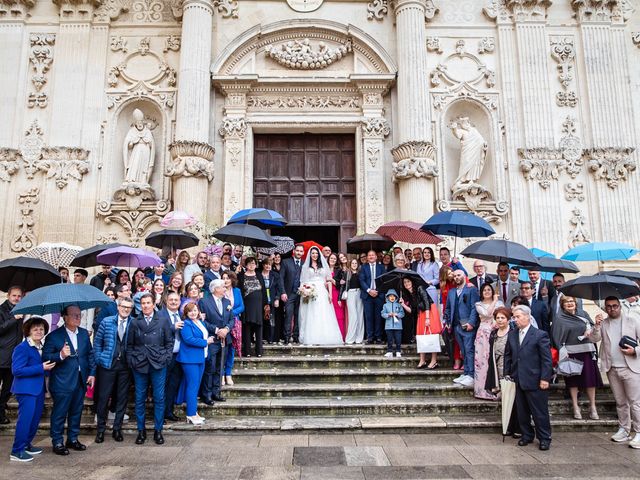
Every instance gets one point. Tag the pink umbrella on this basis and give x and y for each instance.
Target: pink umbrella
(129, 257)
(408, 232)
(178, 219)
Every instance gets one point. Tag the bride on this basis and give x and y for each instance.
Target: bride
(318, 324)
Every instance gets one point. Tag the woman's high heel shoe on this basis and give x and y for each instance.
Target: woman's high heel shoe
(593, 414)
(432, 367)
(420, 367)
(576, 414)
(195, 420)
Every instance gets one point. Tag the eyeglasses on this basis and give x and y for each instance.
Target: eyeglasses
(125, 307)
(612, 307)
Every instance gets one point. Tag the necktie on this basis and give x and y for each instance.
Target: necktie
(373, 276)
(504, 292)
(219, 305)
(176, 319)
(148, 319)
(521, 335)
(121, 329)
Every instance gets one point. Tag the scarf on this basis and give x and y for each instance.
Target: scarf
(567, 328)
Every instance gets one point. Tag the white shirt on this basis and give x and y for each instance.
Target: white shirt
(73, 336)
(175, 316)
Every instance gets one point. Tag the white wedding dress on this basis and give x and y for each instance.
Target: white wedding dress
(317, 319)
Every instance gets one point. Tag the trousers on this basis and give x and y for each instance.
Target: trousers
(67, 406)
(533, 403)
(111, 380)
(157, 378)
(466, 341)
(174, 377)
(192, 378)
(625, 385)
(29, 413)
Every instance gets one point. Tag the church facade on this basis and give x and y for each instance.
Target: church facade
(342, 115)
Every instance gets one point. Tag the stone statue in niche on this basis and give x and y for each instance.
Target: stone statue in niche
(138, 151)
(473, 151)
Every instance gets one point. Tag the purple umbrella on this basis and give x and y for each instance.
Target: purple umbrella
(129, 257)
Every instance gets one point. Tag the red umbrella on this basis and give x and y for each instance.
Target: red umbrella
(408, 232)
(307, 245)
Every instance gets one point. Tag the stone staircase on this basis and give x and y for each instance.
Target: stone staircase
(354, 388)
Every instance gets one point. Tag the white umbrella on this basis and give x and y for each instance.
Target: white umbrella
(55, 254)
(508, 392)
(178, 219)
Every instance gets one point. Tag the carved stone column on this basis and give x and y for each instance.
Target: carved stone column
(191, 153)
(234, 131)
(374, 131)
(414, 158)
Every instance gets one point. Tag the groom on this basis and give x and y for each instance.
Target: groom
(290, 273)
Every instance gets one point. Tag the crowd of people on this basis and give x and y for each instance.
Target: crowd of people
(177, 329)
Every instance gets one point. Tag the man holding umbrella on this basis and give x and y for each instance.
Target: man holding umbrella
(10, 337)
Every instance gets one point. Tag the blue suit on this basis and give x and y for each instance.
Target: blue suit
(540, 311)
(214, 320)
(461, 309)
(174, 369)
(28, 387)
(68, 381)
(192, 356)
(372, 306)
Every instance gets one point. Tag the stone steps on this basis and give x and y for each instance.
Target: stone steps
(276, 350)
(330, 361)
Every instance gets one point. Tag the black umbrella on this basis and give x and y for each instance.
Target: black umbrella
(501, 251)
(393, 279)
(87, 257)
(369, 241)
(174, 239)
(622, 273)
(243, 234)
(555, 265)
(599, 287)
(28, 273)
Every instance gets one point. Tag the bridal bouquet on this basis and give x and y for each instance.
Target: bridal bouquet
(307, 292)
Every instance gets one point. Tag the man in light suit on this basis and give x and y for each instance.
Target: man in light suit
(461, 316)
(539, 308)
(506, 288)
(371, 297)
(527, 361)
(171, 314)
(290, 276)
(71, 350)
(482, 277)
(219, 322)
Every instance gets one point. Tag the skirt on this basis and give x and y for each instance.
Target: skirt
(590, 376)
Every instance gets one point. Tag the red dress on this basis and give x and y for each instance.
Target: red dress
(340, 309)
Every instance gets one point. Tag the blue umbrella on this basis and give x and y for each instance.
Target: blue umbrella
(600, 252)
(456, 224)
(54, 298)
(260, 217)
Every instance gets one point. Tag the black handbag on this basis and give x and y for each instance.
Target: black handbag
(627, 341)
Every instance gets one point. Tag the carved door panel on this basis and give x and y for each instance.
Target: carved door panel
(310, 179)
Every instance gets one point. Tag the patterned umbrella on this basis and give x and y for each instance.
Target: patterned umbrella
(408, 232)
(54, 298)
(178, 219)
(283, 245)
(56, 254)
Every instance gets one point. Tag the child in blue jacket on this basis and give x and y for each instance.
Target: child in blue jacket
(392, 312)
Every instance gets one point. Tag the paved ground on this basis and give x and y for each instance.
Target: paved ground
(340, 457)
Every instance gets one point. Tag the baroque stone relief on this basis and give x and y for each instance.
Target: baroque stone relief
(134, 221)
(579, 233)
(111, 10)
(15, 9)
(574, 191)
(602, 10)
(563, 52)
(491, 211)
(226, 8)
(375, 127)
(503, 11)
(610, 164)
(40, 59)
(303, 102)
(377, 9)
(462, 67)
(299, 54)
(25, 239)
(414, 159)
(190, 159)
(9, 163)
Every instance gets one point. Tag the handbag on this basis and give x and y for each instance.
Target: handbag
(427, 341)
(344, 295)
(567, 366)
(627, 341)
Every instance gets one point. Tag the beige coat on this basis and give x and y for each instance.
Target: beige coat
(630, 327)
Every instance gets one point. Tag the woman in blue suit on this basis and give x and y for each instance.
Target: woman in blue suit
(234, 295)
(28, 386)
(194, 342)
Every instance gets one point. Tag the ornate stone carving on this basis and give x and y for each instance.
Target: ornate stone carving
(311, 102)
(138, 151)
(375, 127)
(134, 221)
(119, 44)
(602, 10)
(635, 38)
(25, 239)
(564, 53)
(517, 10)
(191, 159)
(233, 128)
(441, 100)
(571, 147)
(172, 42)
(377, 9)
(414, 159)
(300, 55)
(31, 148)
(15, 9)
(105, 238)
(433, 45)
(574, 191)
(611, 164)
(373, 154)
(566, 99)
(473, 152)
(9, 163)
(40, 58)
(541, 164)
(486, 45)
(443, 74)
(148, 11)
(227, 8)
(491, 211)
(579, 234)
(78, 9)
(111, 10)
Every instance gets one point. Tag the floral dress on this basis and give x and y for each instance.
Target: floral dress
(482, 348)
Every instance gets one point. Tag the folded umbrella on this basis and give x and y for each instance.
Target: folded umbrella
(171, 238)
(54, 298)
(246, 235)
(393, 279)
(259, 217)
(129, 257)
(501, 251)
(508, 398)
(28, 273)
(88, 257)
(369, 241)
(599, 287)
(55, 254)
(409, 232)
(600, 252)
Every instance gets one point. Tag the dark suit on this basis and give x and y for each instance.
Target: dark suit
(512, 290)
(372, 306)
(550, 288)
(290, 280)
(527, 364)
(540, 311)
(68, 381)
(214, 321)
(461, 309)
(149, 352)
(10, 336)
(479, 281)
(174, 370)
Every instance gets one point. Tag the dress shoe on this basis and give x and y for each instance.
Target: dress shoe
(99, 437)
(60, 449)
(142, 436)
(207, 401)
(117, 435)
(172, 418)
(218, 398)
(523, 442)
(76, 445)
(157, 437)
(544, 446)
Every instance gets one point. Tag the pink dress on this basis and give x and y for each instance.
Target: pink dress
(481, 363)
(340, 309)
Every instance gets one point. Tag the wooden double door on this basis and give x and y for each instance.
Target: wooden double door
(310, 179)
